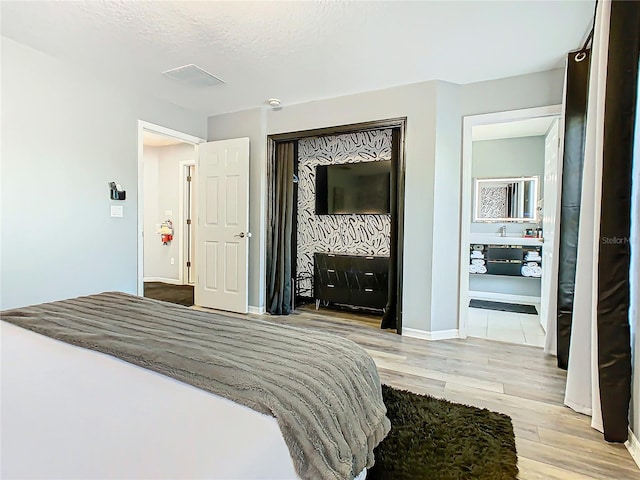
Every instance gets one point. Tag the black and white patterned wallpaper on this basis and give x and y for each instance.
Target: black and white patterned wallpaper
(351, 234)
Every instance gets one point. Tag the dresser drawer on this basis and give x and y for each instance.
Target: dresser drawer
(333, 293)
(369, 298)
(337, 262)
(370, 264)
(371, 281)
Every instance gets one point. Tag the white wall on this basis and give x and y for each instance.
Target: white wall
(507, 157)
(433, 156)
(527, 286)
(445, 231)
(151, 209)
(513, 93)
(162, 179)
(65, 135)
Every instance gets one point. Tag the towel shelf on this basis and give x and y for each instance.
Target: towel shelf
(505, 260)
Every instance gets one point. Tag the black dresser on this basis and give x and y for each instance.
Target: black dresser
(357, 280)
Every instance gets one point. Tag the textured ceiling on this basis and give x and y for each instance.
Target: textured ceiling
(298, 51)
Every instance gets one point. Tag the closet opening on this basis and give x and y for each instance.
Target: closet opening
(335, 215)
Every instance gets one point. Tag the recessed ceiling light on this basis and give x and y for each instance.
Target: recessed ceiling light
(193, 75)
(274, 102)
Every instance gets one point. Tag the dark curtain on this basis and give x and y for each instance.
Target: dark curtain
(390, 317)
(573, 159)
(614, 345)
(279, 259)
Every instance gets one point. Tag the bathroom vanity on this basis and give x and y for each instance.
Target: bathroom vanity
(508, 258)
(512, 267)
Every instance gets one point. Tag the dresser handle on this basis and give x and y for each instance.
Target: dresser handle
(368, 289)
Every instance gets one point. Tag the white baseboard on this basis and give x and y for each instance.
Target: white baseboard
(504, 297)
(256, 310)
(172, 281)
(633, 445)
(424, 335)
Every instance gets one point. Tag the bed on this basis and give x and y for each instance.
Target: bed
(72, 412)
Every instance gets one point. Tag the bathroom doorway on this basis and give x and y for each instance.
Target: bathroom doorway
(511, 182)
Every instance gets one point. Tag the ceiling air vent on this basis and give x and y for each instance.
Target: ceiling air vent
(194, 76)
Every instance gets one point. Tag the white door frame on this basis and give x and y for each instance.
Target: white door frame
(151, 127)
(182, 210)
(469, 122)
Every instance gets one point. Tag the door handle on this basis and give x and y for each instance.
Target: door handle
(242, 235)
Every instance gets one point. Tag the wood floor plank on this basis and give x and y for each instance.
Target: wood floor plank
(575, 460)
(385, 355)
(545, 393)
(535, 470)
(439, 375)
(596, 447)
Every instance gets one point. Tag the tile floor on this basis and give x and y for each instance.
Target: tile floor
(519, 328)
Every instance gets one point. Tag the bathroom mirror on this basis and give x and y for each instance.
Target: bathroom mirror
(512, 199)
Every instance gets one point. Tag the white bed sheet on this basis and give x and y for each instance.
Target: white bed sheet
(67, 412)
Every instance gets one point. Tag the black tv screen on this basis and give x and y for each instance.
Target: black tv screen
(363, 187)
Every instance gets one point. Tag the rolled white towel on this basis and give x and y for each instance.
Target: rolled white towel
(533, 257)
(526, 271)
(478, 247)
(476, 254)
(482, 269)
(477, 261)
(473, 268)
(532, 264)
(536, 272)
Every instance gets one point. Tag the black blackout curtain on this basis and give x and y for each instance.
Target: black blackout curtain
(575, 118)
(614, 337)
(279, 258)
(390, 318)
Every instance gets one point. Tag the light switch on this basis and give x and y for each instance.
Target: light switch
(117, 210)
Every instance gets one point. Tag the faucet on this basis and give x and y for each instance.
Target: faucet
(503, 231)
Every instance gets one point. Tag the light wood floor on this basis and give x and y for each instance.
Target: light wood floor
(553, 441)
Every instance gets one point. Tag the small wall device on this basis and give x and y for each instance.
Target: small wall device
(117, 193)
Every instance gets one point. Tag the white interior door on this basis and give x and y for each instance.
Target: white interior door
(222, 238)
(552, 185)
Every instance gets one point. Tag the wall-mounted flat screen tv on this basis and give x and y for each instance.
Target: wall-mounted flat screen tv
(363, 187)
